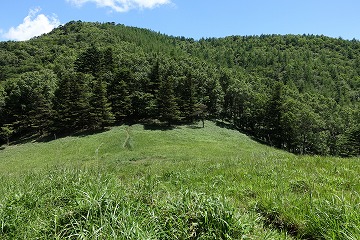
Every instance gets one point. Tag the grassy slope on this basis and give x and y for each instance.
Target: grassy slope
(187, 182)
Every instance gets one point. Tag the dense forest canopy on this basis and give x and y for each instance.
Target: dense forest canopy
(296, 92)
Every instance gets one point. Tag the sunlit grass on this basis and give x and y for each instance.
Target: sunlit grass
(189, 182)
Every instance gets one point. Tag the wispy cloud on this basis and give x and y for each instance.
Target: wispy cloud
(34, 24)
(123, 5)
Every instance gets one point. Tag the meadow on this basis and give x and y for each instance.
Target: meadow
(188, 182)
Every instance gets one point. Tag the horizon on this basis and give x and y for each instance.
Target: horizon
(187, 37)
(210, 37)
(196, 20)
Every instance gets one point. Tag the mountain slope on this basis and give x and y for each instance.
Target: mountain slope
(299, 93)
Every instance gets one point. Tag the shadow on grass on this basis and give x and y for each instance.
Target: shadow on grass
(164, 126)
(250, 134)
(194, 127)
(158, 126)
(54, 136)
(274, 219)
(226, 125)
(83, 133)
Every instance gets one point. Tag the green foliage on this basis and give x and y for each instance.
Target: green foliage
(72, 102)
(2, 97)
(100, 108)
(273, 115)
(89, 61)
(266, 85)
(2, 104)
(353, 140)
(29, 101)
(5, 132)
(118, 94)
(200, 113)
(187, 97)
(166, 103)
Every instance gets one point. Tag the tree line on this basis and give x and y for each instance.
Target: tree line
(299, 93)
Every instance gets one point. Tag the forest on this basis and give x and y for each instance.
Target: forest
(300, 93)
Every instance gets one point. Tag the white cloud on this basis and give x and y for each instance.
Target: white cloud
(34, 24)
(123, 5)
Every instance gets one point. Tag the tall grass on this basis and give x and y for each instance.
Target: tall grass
(185, 183)
(88, 204)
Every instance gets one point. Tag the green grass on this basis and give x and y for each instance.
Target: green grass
(185, 183)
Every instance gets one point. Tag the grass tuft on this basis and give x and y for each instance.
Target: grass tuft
(183, 183)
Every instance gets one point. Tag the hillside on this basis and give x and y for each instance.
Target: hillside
(299, 93)
(186, 182)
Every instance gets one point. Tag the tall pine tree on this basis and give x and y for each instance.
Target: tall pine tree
(188, 97)
(100, 109)
(89, 61)
(167, 107)
(118, 95)
(273, 118)
(72, 102)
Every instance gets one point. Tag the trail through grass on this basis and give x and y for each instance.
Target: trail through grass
(185, 183)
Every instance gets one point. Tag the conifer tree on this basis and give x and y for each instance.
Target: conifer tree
(167, 107)
(353, 133)
(62, 103)
(41, 114)
(154, 78)
(200, 113)
(118, 95)
(152, 90)
(6, 131)
(107, 60)
(188, 97)
(72, 102)
(274, 113)
(2, 104)
(29, 104)
(100, 109)
(2, 98)
(89, 61)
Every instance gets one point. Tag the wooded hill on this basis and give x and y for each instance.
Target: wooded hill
(296, 92)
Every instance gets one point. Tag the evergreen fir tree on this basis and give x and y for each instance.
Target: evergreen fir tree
(200, 113)
(72, 102)
(154, 78)
(62, 103)
(2, 98)
(6, 131)
(167, 107)
(89, 61)
(107, 61)
(41, 114)
(188, 97)
(274, 112)
(100, 110)
(80, 96)
(354, 141)
(29, 104)
(118, 95)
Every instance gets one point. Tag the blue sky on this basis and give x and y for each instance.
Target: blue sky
(23, 19)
